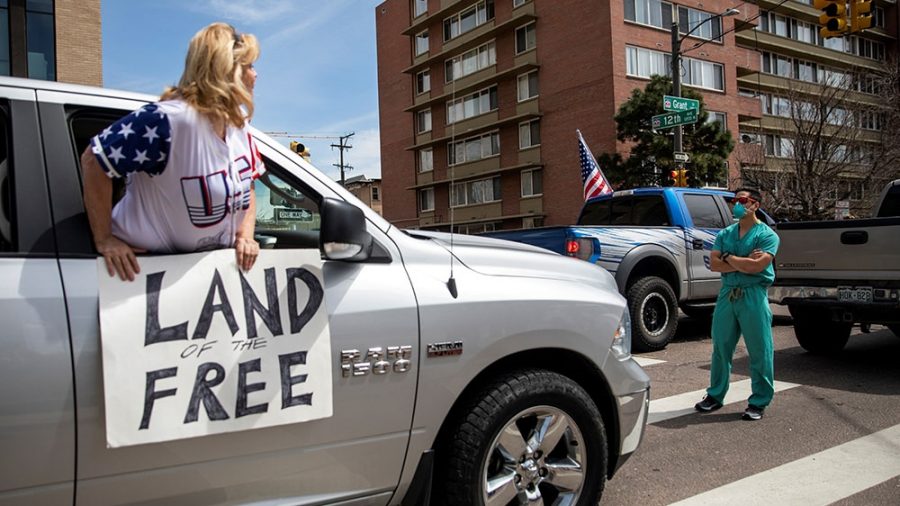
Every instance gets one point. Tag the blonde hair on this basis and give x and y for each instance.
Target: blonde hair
(213, 69)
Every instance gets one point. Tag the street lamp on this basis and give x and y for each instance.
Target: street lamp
(676, 64)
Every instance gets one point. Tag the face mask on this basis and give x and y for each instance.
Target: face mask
(738, 211)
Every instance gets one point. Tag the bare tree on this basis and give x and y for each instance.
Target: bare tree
(836, 144)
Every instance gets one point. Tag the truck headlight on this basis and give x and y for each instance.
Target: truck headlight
(621, 344)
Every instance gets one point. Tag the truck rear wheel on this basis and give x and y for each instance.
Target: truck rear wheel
(654, 313)
(529, 437)
(816, 333)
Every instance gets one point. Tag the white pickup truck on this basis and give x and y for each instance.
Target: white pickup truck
(517, 384)
(832, 274)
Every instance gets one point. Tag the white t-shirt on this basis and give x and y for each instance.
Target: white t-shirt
(186, 189)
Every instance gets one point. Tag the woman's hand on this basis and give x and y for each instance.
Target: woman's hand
(246, 250)
(120, 257)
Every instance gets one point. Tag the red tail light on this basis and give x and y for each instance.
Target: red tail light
(572, 247)
(581, 248)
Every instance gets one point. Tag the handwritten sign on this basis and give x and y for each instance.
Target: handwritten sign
(194, 346)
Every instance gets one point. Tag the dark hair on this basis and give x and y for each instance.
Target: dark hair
(754, 193)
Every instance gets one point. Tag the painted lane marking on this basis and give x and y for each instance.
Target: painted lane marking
(683, 404)
(644, 362)
(819, 479)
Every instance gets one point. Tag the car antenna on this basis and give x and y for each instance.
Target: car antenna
(451, 282)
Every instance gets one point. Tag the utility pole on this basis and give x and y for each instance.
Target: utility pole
(676, 83)
(342, 146)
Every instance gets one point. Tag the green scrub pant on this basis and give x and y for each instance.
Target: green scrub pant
(743, 311)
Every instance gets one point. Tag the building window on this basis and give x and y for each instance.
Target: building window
(375, 195)
(533, 222)
(476, 228)
(473, 105)
(421, 43)
(421, 7)
(529, 134)
(426, 199)
(528, 86)
(526, 38)
(475, 148)
(423, 121)
(475, 192)
(778, 146)
(704, 74)
(870, 120)
(878, 17)
(423, 81)
(642, 62)
(649, 12)
(717, 117)
(470, 62)
(706, 28)
(518, 3)
(4, 39)
(426, 160)
(532, 185)
(468, 19)
(40, 41)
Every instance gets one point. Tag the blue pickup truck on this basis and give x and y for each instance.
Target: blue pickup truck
(656, 242)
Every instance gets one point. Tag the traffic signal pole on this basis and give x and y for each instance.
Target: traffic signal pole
(676, 83)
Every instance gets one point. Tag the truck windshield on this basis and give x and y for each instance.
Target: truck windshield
(890, 206)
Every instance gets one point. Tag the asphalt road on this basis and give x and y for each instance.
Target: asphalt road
(831, 436)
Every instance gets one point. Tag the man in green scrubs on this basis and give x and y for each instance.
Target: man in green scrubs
(743, 253)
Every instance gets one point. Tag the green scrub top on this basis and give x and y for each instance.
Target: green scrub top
(760, 237)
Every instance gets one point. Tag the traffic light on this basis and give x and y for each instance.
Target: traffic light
(300, 149)
(678, 177)
(860, 15)
(834, 17)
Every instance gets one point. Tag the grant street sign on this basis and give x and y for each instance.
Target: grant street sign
(673, 119)
(671, 103)
(682, 157)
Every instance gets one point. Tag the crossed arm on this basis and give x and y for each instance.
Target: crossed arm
(753, 264)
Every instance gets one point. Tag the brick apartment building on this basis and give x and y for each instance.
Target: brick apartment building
(55, 40)
(480, 99)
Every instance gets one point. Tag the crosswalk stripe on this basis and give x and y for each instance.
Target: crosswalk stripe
(644, 362)
(683, 404)
(818, 479)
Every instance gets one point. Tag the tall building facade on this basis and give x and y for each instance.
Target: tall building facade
(480, 99)
(54, 40)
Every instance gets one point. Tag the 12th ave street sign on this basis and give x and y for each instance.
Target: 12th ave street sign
(671, 103)
(673, 119)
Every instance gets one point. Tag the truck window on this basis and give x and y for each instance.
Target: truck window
(595, 213)
(7, 240)
(890, 206)
(621, 211)
(704, 211)
(649, 211)
(287, 215)
(85, 124)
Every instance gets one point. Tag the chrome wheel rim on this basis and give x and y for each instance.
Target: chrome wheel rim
(537, 458)
(654, 313)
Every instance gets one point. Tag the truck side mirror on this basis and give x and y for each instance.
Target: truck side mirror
(343, 234)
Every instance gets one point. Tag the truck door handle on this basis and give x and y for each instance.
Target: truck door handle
(855, 237)
(697, 243)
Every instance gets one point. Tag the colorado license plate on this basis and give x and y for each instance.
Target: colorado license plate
(855, 294)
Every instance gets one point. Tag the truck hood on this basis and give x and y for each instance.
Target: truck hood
(496, 257)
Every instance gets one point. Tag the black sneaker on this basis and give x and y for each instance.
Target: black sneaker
(753, 413)
(707, 404)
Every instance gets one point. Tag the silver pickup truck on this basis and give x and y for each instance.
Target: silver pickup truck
(520, 386)
(832, 274)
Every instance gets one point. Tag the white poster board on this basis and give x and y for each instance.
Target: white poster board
(193, 346)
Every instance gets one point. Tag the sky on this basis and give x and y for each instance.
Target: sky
(317, 68)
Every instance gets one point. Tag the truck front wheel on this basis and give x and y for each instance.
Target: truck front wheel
(654, 313)
(816, 333)
(529, 437)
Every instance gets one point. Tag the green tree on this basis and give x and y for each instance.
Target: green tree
(651, 161)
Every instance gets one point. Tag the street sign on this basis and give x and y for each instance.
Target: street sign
(673, 119)
(671, 103)
(682, 157)
(293, 215)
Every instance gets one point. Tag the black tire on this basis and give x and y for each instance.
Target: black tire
(895, 328)
(511, 406)
(699, 312)
(654, 313)
(817, 334)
